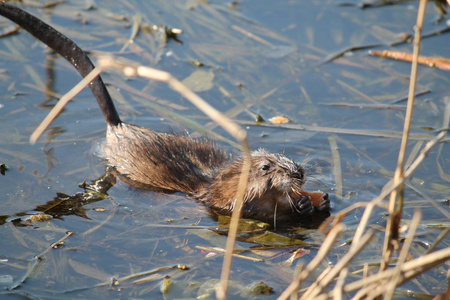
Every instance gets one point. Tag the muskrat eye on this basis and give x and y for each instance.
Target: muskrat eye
(265, 167)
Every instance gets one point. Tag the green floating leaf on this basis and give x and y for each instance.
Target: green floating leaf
(272, 239)
(40, 217)
(199, 81)
(165, 286)
(245, 225)
(258, 288)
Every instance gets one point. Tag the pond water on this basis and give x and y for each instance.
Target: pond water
(257, 57)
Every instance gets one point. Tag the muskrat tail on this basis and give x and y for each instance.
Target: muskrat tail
(67, 49)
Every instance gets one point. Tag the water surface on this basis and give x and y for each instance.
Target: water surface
(262, 57)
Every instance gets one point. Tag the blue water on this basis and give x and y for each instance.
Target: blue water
(267, 58)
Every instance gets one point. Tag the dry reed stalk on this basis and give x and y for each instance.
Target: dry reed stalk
(62, 103)
(438, 240)
(134, 32)
(403, 255)
(297, 272)
(391, 235)
(342, 263)
(338, 291)
(321, 254)
(336, 165)
(375, 285)
(437, 62)
(235, 216)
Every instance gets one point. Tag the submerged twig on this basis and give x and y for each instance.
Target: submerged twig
(10, 31)
(376, 3)
(221, 250)
(334, 56)
(336, 165)
(134, 32)
(373, 133)
(35, 261)
(118, 281)
(438, 240)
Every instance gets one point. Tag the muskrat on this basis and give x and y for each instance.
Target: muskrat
(178, 163)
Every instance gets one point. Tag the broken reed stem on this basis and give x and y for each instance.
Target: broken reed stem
(438, 240)
(389, 293)
(62, 103)
(338, 290)
(298, 270)
(410, 104)
(234, 224)
(395, 215)
(336, 165)
(133, 69)
(409, 270)
(312, 293)
(314, 263)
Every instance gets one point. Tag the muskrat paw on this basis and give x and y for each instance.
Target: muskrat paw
(304, 205)
(324, 204)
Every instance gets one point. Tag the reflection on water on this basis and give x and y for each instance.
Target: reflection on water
(261, 57)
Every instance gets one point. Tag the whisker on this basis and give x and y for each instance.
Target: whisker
(317, 181)
(291, 202)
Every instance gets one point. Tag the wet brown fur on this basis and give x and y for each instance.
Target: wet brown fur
(197, 167)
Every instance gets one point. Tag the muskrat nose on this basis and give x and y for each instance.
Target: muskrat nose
(297, 175)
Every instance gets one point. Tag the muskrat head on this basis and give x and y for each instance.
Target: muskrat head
(273, 183)
(273, 173)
